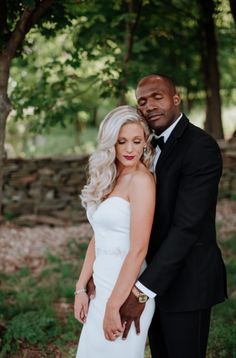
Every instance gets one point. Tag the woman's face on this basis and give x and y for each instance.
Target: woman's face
(130, 143)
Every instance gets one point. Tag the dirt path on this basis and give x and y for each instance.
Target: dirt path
(20, 246)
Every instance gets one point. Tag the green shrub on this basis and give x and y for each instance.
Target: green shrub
(32, 327)
(222, 337)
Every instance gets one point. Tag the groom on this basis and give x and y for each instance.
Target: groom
(185, 271)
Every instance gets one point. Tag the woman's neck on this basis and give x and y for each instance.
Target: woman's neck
(127, 170)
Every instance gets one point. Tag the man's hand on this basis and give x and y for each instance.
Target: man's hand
(130, 311)
(91, 288)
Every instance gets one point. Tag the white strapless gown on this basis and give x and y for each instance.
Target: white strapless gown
(111, 225)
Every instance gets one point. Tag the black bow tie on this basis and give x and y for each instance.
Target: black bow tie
(158, 141)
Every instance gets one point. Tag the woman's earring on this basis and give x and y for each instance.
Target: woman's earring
(145, 149)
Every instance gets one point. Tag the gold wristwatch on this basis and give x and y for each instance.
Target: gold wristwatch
(141, 297)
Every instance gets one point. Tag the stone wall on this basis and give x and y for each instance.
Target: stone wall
(46, 191)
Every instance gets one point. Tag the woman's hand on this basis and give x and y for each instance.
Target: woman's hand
(112, 325)
(81, 306)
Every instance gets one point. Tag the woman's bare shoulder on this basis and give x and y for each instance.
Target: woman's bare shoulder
(142, 176)
(141, 182)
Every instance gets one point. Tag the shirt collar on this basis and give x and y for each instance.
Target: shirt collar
(169, 130)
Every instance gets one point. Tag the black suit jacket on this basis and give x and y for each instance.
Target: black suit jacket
(185, 267)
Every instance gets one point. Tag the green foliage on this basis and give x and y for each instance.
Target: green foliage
(28, 305)
(229, 247)
(52, 92)
(57, 17)
(76, 249)
(233, 196)
(159, 43)
(28, 3)
(8, 216)
(223, 331)
(30, 318)
(101, 49)
(222, 335)
(150, 37)
(31, 327)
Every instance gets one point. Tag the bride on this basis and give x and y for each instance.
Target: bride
(120, 202)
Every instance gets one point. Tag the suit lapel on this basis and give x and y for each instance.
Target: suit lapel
(172, 141)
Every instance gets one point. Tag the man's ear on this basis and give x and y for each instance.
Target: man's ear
(176, 99)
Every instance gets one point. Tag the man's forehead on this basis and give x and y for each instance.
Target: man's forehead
(149, 86)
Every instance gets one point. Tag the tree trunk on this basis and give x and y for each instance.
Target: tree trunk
(5, 108)
(232, 4)
(186, 102)
(209, 50)
(129, 41)
(28, 19)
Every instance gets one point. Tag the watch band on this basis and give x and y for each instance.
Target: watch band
(141, 297)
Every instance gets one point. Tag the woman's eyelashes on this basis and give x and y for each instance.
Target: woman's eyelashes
(124, 141)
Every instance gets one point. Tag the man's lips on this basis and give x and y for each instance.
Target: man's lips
(129, 157)
(153, 116)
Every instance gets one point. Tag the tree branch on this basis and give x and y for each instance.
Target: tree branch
(140, 5)
(41, 9)
(182, 10)
(27, 20)
(130, 29)
(18, 34)
(3, 18)
(129, 41)
(233, 8)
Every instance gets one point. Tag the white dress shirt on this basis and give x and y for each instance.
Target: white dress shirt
(166, 135)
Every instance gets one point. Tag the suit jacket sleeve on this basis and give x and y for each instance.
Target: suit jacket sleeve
(196, 198)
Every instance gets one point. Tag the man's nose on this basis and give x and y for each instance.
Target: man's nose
(151, 104)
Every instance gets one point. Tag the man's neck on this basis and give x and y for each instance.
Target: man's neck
(167, 131)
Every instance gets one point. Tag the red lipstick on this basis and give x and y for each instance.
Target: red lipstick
(129, 157)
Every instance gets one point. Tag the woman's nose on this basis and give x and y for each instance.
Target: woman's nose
(129, 147)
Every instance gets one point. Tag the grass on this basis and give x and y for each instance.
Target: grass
(222, 338)
(36, 310)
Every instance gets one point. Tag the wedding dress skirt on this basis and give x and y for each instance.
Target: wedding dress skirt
(111, 225)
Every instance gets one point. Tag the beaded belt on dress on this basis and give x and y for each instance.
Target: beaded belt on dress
(114, 252)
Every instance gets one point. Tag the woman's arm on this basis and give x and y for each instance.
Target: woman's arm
(142, 201)
(82, 299)
(87, 269)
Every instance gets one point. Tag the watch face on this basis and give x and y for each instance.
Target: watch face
(142, 298)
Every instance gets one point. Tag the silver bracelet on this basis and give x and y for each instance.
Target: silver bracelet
(77, 292)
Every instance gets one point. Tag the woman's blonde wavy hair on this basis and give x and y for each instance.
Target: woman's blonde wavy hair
(102, 164)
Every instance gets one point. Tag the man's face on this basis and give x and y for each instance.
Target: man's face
(158, 103)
